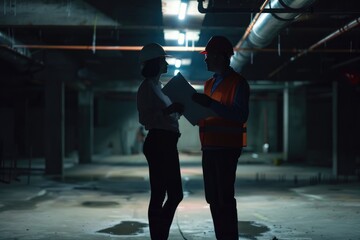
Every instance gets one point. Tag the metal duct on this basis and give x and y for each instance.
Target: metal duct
(19, 58)
(10, 42)
(267, 26)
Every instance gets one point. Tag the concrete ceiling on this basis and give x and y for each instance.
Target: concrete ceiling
(91, 38)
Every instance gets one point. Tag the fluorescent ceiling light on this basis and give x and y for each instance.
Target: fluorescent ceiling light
(175, 35)
(184, 61)
(182, 10)
(181, 38)
(176, 71)
(192, 35)
(178, 63)
(193, 11)
(171, 34)
(171, 7)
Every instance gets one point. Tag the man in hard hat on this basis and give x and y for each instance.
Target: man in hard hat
(222, 137)
(160, 116)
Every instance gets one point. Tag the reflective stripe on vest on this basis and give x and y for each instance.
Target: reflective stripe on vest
(220, 132)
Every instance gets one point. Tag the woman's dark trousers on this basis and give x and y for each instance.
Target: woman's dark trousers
(160, 149)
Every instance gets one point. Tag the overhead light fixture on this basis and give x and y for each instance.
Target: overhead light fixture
(172, 7)
(181, 38)
(176, 72)
(184, 61)
(171, 34)
(183, 10)
(178, 63)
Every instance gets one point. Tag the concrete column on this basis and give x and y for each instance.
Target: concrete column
(334, 128)
(286, 121)
(20, 125)
(269, 119)
(54, 125)
(346, 128)
(85, 125)
(294, 123)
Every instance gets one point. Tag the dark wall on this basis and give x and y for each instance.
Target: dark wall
(319, 125)
(348, 128)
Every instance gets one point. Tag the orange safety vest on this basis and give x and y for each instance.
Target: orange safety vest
(217, 131)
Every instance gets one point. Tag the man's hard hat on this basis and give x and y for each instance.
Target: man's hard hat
(219, 44)
(151, 51)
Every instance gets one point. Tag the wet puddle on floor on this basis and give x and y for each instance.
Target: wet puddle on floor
(99, 204)
(125, 228)
(27, 204)
(251, 230)
(247, 229)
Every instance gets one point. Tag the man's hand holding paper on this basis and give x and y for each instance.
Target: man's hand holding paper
(179, 90)
(202, 99)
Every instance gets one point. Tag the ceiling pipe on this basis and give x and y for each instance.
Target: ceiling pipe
(251, 25)
(19, 58)
(333, 35)
(20, 62)
(272, 9)
(168, 48)
(212, 9)
(107, 48)
(345, 63)
(10, 42)
(266, 27)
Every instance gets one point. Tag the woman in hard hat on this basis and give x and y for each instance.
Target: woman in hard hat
(160, 116)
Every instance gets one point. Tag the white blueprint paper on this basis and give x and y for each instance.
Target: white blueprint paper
(180, 90)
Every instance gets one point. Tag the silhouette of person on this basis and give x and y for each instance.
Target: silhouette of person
(160, 116)
(223, 137)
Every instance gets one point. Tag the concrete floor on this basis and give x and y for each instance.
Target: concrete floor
(108, 200)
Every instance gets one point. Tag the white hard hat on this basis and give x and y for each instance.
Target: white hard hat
(151, 51)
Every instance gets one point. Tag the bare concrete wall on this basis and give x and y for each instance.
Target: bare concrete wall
(116, 126)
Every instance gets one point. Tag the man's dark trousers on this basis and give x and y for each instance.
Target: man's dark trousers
(219, 171)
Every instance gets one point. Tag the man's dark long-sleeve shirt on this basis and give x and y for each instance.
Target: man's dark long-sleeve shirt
(239, 110)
